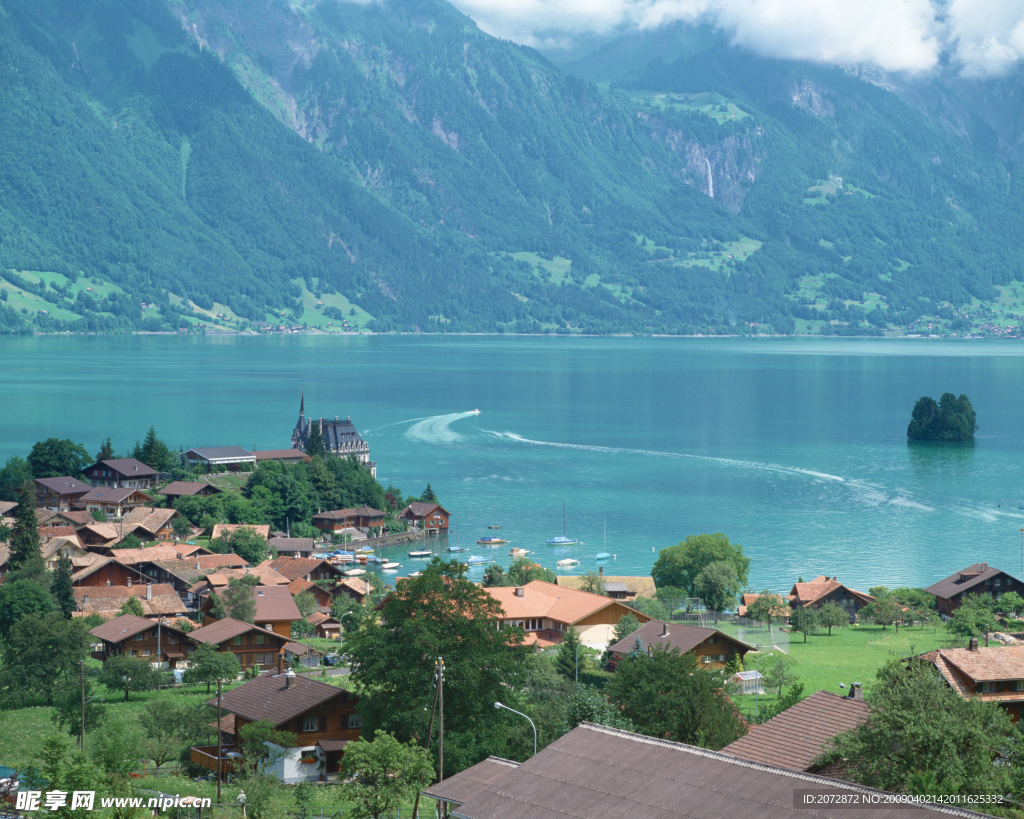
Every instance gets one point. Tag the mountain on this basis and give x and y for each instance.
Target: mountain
(173, 163)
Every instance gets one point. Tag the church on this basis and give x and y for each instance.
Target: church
(340, 437)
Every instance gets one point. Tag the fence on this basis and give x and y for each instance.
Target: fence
(762, 636)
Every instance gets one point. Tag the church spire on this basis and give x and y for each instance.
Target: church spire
(302, 405)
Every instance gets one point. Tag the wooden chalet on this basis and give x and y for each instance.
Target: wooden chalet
(184, 573)
(308, 568)
(355, 588)
(364, 517)
(113, 501)
(220, 578)
(149, 524)
(546, 611)
(989, 673)
(51, 519)
(251, 644)
(121, 472)
(322, 597)
(158, 600)
(93, 570)
(823, 589)
(429, 516)
(796, 737)
(133, 636)
(62, 546)
(188, 489)
(979, 578)
(59, 494)
(326, 626)
(322, 717)
(99, 536)
(711, 648)
(275, 609)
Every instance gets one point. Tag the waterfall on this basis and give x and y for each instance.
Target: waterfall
(711, 181)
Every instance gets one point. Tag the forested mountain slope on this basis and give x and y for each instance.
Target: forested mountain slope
(391, 166)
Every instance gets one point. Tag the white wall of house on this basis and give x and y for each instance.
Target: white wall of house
(289, 768)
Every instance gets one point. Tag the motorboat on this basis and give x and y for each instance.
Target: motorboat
(421, 553)
(391, 566)
(476, 559)
(354, 572)
(457, 549)
(515, 551)
(568, 563)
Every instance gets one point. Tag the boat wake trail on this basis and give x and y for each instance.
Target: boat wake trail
(395, 424)
(865, 492)
(437, 428)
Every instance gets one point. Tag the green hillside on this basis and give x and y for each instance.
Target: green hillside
(181, 164)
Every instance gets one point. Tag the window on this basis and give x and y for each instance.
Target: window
(310, 723)
(140, 636)
(712, 640)
(998, 581)
(171, 639)
(706, 658)
(237, 641)
(191, 649)
(260, 638)
(721, 658)
(146, 652)
(1018, 685)
(355, 720)
(988, 688)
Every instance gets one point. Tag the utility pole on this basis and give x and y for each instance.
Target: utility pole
(430, 733)
(81, 741)
(440, 718)
(219, 763)
(159, 653)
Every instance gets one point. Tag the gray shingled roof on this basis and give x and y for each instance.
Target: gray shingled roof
(269, 698)
(221, 630)
(64, 486)
(129, 467)
(468, 783)
(965, 580)
(679, 638)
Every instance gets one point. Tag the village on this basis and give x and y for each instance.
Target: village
(261, 664)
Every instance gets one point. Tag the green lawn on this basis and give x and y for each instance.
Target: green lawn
(852, 654)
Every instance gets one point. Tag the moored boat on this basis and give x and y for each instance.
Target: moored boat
(561, 540)
(421, 553)
(515, 551)
(492, 541)
(391, 566)
(603, 556)
(476, 559)
(568, 562)
(354, 572)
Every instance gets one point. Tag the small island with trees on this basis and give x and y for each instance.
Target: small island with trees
(952, 419)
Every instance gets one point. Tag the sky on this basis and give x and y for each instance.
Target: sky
(980, 38)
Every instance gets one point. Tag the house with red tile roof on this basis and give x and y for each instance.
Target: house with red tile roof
(823, 589)
(112, 501)
(989, 673)
(796, 737)
(546, 611)
(309, 568)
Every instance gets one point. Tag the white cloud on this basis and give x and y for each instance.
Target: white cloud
(983, 37)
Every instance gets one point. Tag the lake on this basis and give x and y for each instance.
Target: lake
(795, 448)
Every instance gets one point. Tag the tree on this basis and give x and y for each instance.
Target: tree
(593, 582)
(208, 664)
(55, 458)
(717, 585)
(680, 565)
(65, 768)
(768, 607)
(1010, 603)
(116, 749)
(22, 599)
(245, 542)
(155, 453)
(803, 620)
(952, 419)
(667, 695)
(428, 495)
(568, 653)
(382, 774)
(655, 609)
(25, 543)
(973, 618)
(181, 527)
(40, 654)
(585, 703)
(62, 588)
(779, 674)
(627, 625)
(306, 603)
(494, 575)
(919, 725)
(786, 701)
(169, 725)
(832, 615)
(132, 606)
(884, 611)
(315, 441)
(129, 541)
(106, 452)
(239, 598)
(13, 476)
(439, 614)
(67, 709)
(122, 673)
(523, 570)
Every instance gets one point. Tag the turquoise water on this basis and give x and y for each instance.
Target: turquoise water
(795, 448)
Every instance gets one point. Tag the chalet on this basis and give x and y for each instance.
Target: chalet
(822, 590)
(158, 600)
(429, 516)
(979, 578)
(309, 568)
(59, 494)
(364, 517)
(98, 570)
(615, 587)
(51, 518)
(145, 554)
(284, 456)
(113, 502)
(56, 548)
(608, 772)
(796, 737)
(340, 438)
(149, 524)
(6, 507)
(991, 674)
(252, 645)
(233, 457)
(188, 489)
(228, 529)
(710, 647)
(99, 535)
(275, 609)
(322, 597)
(355, 588)
(545, 611)
(64, 533)
(127, 473)
(323, 719)
(326, 626)
(220, 578)
(292, 546)
(162, 644)
(183, 574)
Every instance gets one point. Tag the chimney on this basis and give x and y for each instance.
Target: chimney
(197, 564)
(973, 645)
(600, 571)
(664, 629)
(520, 591)
(149, 591)
(289, 678)
(856, 692)
(984, 567)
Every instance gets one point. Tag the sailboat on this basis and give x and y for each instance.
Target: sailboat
(604, 555)
(493, 540)
(561, 540)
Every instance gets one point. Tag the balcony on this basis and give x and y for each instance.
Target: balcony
(206, 755)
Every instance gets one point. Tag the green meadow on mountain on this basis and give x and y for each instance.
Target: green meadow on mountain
(388, 166)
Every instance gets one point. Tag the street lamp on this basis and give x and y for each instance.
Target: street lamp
(757, 681)
(499, 706)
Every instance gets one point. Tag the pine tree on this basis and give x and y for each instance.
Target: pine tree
(62, 592)
(315, 441)
(25, 541)
(106, 452)
(428, 494)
